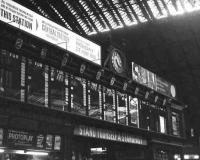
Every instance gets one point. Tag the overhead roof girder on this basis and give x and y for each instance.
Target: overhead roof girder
(117, 12)
(83, 19)
(83, 14)
(95, 10)
(182, 4)
(148, 9)
(29, 5)
(102, 14)
(122, 2)
(133, 11)
(76, 27)
(174, 4)
(158, 7)
(165, 6)
(146, 15)
(110, 11)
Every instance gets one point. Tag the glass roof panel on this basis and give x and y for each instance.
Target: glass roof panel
(39, 9)
(138, 11)
(171, 7)
(154, 9)
(192, 5)
(92, 15)
(123, 11)
(164, 11)
(74, 12)
(60, 16)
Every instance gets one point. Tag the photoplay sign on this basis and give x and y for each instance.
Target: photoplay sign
(19, 138)
(32, 23)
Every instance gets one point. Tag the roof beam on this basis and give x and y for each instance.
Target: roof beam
(102, 14)
(39, 4)
(84, 14)
(165, 6)
(174, 4)
(106, 5)
(117, 12)
(71, 7)
(158, 7)
(68, 17)
(133, 11)
(28, 4)
(139, 3)
(148, 9)
(122, 2)
(90, 4)
(182, 4)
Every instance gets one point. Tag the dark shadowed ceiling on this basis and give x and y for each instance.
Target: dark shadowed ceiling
(147, 31)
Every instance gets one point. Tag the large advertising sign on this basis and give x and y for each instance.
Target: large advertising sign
(151, 80)
(28, 21)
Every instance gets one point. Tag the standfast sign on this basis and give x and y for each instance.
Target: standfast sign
(28, 21)
(107, 134)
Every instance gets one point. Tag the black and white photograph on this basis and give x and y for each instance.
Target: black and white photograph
(99, 79)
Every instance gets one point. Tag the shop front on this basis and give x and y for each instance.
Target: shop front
(22, 145)
(93, 143)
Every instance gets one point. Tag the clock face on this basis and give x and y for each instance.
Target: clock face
(117, 62)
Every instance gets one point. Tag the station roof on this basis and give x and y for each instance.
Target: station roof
(95, 16)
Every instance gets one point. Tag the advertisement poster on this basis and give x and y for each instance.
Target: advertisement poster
(57, 143)
(151, 80)
(1, 136)
(26, 20)
(49, 141)
(40, 141)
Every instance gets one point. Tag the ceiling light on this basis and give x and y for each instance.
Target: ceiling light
(2, 150)
(20, 152)
(37, 153)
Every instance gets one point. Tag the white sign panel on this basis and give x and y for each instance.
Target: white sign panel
(28, 21)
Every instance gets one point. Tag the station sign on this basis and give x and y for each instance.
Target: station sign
(26, 20)
(151, 80)
(107, 134)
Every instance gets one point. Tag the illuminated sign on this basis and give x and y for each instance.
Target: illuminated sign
(151, 80)
(30, 22)
(107, 134)
(191, 156)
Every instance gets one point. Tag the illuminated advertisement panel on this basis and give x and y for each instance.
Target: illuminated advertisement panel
(28, 21)
(151, 80)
